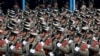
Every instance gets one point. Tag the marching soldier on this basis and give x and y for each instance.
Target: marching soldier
(93, 45)
(64, 21)
(60, 44)
(63, 46)
(3, 45)
(16, 8)
(28, 44)
(52, 41)
(12, 39)
(37, 48)
(24, 34)
(18, 46)
(99, 40)
(46, 40)
(78, 48)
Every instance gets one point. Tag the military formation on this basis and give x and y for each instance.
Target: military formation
(48, 31)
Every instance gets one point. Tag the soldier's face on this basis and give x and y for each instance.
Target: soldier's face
(12, 38)
(55, 4)
(76, 22)
(76, 39)
(72, 32)
(89, 35)
(5, 32)
(31, 40)
(95, 31)
(57, 36)
(42, 34)
(66, 6)
(99, 34)
(73, 18)
(63, 21)
(91, 6)
(16, 6)
(49, 5)
(23, 33)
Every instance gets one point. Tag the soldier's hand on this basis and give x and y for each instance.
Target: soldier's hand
(3, 55)
(94, 38)
(42, 43)
(70, 41)
(89, 46)
(12, 47)
(77, 49)
(99, 52)
(24, 43)
(51, 54)
(59, 44)
(32, 50)
(7, 41)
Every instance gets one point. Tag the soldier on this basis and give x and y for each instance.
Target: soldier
(28, 44)
(37, 48)
(78, 48)
(93, 45)
(63, 46)
(46, 40)
(12, 39)
(24, 34)
(49, 8)
(91, 6)
(99, 40)
(64, 21)
(16, 8)
(59, 44)
(71, 31)
(17, 47)
(3, 45)
(55, 5)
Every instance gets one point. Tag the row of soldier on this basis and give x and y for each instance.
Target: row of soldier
(43, 32)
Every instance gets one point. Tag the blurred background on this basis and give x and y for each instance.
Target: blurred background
(9, 4)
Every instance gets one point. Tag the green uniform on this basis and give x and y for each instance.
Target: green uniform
(83, 50)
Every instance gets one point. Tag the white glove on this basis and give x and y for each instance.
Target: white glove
(73, 22)
(99, 52)
(70, 41)
(89, 46)
(94, 38)
(32, 50)
(24, 42)
(7, 41)
(77, 49)
(51, 54)
(3, 55)
(42, 43)
(59, 44)
(12, 47)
